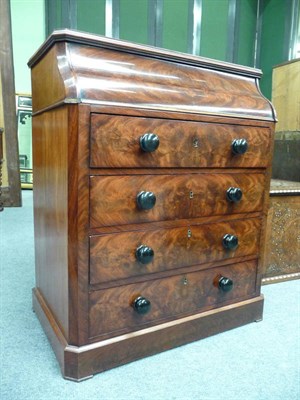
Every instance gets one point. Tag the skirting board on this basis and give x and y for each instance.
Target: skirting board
(79, 363)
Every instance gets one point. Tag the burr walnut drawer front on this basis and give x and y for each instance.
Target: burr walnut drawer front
(116, 200)
(127, 142)
(128, 308)
(123, 255)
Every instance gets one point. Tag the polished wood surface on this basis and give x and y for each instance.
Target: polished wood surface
(115, 143)
(112, 257)
(80, 363)
(87, 39)
(10, 185)
(110, 73)
(111, 310)
(286, 95)
(113, 199)
(93, 99)
(50, 75)
(51, 210)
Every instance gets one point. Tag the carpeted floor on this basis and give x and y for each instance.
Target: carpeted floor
(259, 361)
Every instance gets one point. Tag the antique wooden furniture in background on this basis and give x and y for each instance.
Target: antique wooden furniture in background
(283, 246)
(282, 260)
(10, 187)
(24, 112)
(286, 100)
(151, 184)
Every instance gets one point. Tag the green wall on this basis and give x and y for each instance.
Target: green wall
(91, 16)
(214, 29)
(133, 20)
(175, 25)
(273, 41)
(247, 28)
(28, 33)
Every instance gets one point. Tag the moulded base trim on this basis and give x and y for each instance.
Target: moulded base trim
(79, 363)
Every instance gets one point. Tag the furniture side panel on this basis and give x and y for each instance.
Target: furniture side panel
(50, 169)
(52, 80)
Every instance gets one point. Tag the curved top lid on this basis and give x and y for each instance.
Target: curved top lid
(97, 69)
(68, 35)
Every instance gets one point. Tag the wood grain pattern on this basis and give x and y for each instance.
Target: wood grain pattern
(112, 77)
(130, 81)
(96, 358)
(10, 186)
(112, 257)
(111, 312)
(79, 221)
(115, 110)
(113, 199)
(283, 252)
(88, 170)
(172, 223)
(79, 363)
(50, 195)
(286, 95)
(51, 76)
(88, 39)
(115, 143)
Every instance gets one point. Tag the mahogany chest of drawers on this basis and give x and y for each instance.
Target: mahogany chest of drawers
(151, 181)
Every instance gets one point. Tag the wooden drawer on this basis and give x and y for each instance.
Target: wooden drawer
(113, 256)
(115, 142)
(113, 198)
(111, 310)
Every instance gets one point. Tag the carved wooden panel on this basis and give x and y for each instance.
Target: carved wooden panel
(283, 254)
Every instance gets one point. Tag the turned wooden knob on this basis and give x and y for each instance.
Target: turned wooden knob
(230, 242)
(141, 305)
(144, 254)
(234, 194)
(225, 284)
(239, 146)
(145, 200)
(149, 142)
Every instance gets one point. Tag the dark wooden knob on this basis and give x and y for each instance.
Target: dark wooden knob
(225, 284)
(144, 254)
(239, 146)
(141, 305)
(230, 242)
(149, 142)
(234, 194)
(145, 200)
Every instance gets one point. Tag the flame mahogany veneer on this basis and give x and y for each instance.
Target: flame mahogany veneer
(151, 181)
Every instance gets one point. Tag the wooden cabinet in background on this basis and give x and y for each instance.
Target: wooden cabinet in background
(151, 186)
(286, 100)
(282, 261)
(283, 245)
(10, 187)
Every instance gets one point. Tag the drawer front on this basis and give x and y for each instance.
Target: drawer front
(115, 142)
(113, 199)
(111, 310)
(123, 255)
